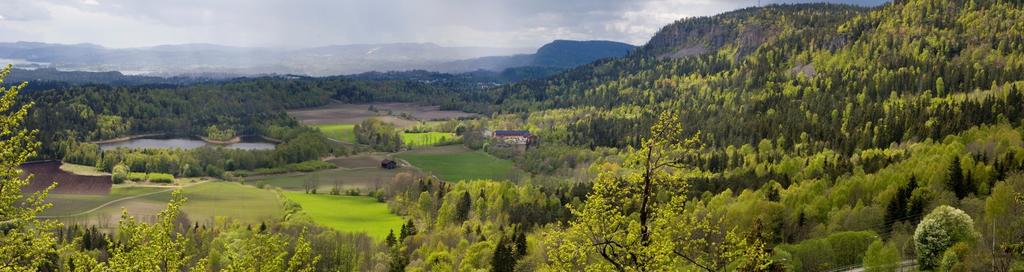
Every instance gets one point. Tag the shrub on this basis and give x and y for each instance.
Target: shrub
(810, 255)
(136, 176)
(214, 171)
(836, 250)
(940, 230)
(119, 174)
(192, 170)
(849, 246)
(881, 257)
(954, 257)
(160, 178)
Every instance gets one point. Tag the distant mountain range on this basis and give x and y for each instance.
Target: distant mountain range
(557, 54)
(209, 60)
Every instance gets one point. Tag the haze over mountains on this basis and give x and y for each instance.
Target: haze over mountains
(226, 61)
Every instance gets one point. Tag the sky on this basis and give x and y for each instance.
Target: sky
(310, 23)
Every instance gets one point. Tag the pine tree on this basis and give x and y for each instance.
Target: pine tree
(899, 207)
(463, 208)
(957, 182)
(520, 244)
(390, 239)
(504, 259)
(408, 230)
(398, 260)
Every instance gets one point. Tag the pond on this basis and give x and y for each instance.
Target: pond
(247, 143)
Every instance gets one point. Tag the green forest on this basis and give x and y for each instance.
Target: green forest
(806, 137)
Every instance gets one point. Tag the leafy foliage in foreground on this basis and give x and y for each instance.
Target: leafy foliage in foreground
(639, 218)
(25, 241)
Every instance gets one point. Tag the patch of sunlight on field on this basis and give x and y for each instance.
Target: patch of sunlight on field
(349, 213)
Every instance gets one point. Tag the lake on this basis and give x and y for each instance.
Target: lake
(248, 143)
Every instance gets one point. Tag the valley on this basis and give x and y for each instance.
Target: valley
(784, 137)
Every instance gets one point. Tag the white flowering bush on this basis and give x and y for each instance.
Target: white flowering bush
(939, 230)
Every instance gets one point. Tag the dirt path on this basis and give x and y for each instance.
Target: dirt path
(108, 203)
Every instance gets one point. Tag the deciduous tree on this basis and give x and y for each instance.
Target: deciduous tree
(25, 242)
(636, 219)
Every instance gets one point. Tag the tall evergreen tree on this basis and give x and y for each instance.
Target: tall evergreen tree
(520, 241)
(504, 259)
(390, 240)
(463, 207)
(958, 182)
(408, 229)
(899, 207)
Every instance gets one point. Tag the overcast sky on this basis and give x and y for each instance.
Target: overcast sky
(307, 23)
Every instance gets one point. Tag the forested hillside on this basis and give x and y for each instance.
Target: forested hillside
(820, 123)
(900, 73)
(71, 113)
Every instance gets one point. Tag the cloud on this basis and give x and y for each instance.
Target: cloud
(23, 10)
(306, 23)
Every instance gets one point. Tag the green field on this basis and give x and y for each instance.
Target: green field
(360, 179)
(67, 204)
(245, 204)
(339, 132)
(455, 163)
(427, 138)
(349, 213)
(84, 170)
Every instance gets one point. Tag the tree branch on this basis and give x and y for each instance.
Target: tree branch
(691, 260)
(607, 256)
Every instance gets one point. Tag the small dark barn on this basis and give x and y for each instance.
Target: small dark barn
(388, 164)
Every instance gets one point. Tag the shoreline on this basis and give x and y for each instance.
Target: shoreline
(235, 140)
(127, 138)
(238, 139)
(272, 140)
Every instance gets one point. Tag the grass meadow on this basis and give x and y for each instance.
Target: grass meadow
(349, 213)
(455, 163)
(338, 132)
(244, 204)
(360, 179)
(428, 138)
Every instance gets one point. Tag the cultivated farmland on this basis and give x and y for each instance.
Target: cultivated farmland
(354, 113)
(363, 179)
(338, 132)
(428, 138)
(455, 163)
(206, 201)
(48, 172)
